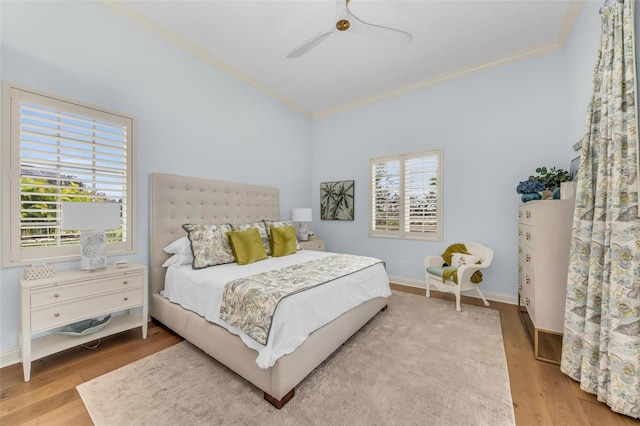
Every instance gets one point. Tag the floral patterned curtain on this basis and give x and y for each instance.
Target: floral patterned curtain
(601, 344)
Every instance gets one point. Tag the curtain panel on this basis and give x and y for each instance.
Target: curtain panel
(601, 343)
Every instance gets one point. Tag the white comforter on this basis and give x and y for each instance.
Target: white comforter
(296, 316)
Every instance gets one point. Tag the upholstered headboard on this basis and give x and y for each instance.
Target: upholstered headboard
(175, 200)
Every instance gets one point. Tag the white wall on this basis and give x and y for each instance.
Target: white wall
(580, 60)
(495, 127)
(192, 118)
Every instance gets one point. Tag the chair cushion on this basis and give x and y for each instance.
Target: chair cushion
(439, 270)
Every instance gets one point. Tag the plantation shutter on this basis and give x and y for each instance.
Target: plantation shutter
(386, 195)
(66, 153)
(406, 196)
(421, 194)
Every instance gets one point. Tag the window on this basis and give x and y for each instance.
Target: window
(57, 150)
(406, 196)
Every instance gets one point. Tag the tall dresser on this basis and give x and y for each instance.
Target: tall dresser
(544, 237)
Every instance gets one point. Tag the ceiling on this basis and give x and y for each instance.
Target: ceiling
(451, 39)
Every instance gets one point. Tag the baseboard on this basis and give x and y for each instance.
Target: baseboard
(496, 297)
(10, 357)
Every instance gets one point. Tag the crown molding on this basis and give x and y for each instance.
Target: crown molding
(517, 57)
(568, 23)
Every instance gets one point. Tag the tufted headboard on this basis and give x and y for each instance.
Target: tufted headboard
(175, 200)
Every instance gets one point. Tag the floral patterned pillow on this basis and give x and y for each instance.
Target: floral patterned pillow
(262, 229)
(281, 224)
(209, 244)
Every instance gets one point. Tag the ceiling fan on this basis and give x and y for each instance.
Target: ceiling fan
(345, 20)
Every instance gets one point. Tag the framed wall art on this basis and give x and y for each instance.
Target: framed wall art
(336, 200)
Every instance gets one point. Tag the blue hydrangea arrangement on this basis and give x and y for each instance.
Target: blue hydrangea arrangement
(529, 187)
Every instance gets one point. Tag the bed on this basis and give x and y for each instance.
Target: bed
(175, 200)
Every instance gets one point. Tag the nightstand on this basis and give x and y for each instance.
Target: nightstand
(72, 296)
(316, 245)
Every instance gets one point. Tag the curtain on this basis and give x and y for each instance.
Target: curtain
(601, 343)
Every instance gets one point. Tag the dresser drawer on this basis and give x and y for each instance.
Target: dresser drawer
(60, 314)
(526, 215)
(67, 292)
(526, 235)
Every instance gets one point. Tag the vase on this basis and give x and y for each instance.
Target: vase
(547, 194)
(530, 197)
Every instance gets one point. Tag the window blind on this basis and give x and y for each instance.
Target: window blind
(406, 195)
(421, 194)
(67, 157)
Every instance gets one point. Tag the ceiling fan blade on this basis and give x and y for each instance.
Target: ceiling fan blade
(379, 32)
(311, 43)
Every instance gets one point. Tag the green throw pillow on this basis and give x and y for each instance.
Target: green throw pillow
(247, 246)
(283, 241)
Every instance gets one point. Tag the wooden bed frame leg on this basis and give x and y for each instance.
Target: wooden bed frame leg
(279, 403)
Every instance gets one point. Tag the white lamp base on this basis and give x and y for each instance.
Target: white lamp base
(304, 232)
(93, 251)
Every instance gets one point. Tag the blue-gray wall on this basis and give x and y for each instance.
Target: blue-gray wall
(193, 119)
(496, 127)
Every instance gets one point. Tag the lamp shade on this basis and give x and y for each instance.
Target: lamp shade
(302, 215)
(90, 216)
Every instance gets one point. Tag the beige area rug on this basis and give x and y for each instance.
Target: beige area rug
(418, 363)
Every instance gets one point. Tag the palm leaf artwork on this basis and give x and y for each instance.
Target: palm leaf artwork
(336, 200)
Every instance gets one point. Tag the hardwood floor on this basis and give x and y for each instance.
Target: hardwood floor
(542, 395)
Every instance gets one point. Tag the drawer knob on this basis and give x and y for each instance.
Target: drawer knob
(126, 298)
(528, 236)
(56, 295)
(528, 214)
(519, 249)
(56, 315)
(519, 268)
(519, 214)
(527, 280)
(519, 232)
(527, 301)
(125, 282)
(519, 286)
(528, 257)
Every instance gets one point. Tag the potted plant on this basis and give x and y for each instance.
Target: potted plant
(551, 179)
(530, 190)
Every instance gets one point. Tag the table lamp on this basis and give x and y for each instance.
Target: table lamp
(302, 215)
(91, 219)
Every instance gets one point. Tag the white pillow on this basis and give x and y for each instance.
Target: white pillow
(181, 245)
(178, 259)
(459, 259)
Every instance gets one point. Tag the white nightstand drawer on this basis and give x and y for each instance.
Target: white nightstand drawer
(65, 313)
(63, 293)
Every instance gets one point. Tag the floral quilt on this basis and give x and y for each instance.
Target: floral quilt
(249, 303)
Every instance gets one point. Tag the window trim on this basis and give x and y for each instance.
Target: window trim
(401, 233)
(12, 253)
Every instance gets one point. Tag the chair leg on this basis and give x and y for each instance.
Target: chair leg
(428, 292)
(458, 302)
(482, 295)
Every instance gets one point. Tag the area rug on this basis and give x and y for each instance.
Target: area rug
(418, 363)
